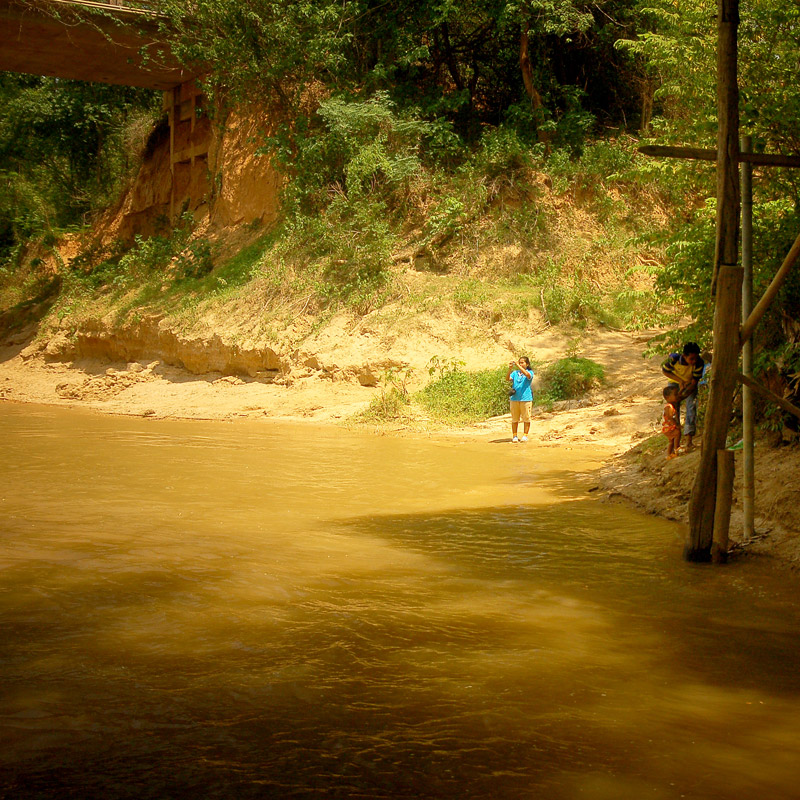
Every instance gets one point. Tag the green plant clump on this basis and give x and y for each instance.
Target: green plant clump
(392, 400)
(386, 406)
(569, 378)
(460, 397)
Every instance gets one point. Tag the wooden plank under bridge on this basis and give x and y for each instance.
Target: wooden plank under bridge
(116, 43)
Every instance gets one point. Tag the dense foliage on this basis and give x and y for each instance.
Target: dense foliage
(678, 51)
(413, 121)
(552, 73)
(569, 378)
(458, 396)
(542, 65)
(63, 151)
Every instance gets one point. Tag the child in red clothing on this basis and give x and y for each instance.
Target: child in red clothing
(670, 427)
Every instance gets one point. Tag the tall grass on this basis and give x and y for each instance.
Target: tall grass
(462, 397)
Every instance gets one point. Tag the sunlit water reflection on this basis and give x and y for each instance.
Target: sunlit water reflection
(240, 610)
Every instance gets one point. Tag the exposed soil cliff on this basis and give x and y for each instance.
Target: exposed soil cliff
(228, 186)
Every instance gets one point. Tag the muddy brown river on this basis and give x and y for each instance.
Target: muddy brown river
(253, 610)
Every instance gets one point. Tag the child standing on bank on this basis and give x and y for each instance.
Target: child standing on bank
(670, 427)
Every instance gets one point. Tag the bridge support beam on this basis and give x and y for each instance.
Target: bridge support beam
(189, 141)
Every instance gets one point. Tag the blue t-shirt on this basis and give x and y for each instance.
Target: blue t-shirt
(522, 386)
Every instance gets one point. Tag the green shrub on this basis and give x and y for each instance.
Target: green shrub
(568, 378)
(63, 152)
(501, 152)
(386, 406)
(351, 165)
(469, 292)
(175, 254)
(568, 298)
(351, 148)
(466, 396)
(445, 220)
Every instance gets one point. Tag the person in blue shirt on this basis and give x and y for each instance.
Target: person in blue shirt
(520, 374)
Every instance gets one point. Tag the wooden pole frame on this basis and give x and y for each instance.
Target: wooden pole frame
(702, 503)
(704, 511)
(706, 154)
(722, 513)
(748, 416)
(781, 402)
(726, 246)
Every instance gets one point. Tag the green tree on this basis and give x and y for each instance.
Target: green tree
(62, 151)
(473, 62)
(678, 48)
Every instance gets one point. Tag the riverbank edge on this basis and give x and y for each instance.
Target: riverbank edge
(631, 473)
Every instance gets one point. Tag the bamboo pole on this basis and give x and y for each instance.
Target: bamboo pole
(772, 290)
(722, 512)
(771, 396)
(748, 461)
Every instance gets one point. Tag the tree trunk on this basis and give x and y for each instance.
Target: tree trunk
(449, 57)
(527, 71)
(648, 91)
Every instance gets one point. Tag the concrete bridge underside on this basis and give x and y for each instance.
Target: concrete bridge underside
(86, 41)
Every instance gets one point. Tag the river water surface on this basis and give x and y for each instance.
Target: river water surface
(246, 610)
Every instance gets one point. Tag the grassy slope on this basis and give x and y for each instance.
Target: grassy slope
(555, 244)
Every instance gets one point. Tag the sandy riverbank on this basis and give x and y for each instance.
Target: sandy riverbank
(619, 419)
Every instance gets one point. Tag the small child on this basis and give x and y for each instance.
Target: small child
(670, 427)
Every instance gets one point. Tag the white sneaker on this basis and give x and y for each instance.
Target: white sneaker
(524, 439)
(515, 439)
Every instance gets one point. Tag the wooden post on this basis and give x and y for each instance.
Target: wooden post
(722, 513)
(702, 504)
(727, 285)
(169, 104)
(718, 413)
(705, 154)
(748, 460)
(726, 247)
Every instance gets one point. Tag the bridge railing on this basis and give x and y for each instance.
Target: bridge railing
(145, 5)
(137, 5)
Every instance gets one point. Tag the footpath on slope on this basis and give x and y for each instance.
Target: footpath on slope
(620, 417)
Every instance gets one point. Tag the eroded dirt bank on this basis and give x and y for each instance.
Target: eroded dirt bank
(338, 372)
(332, 373)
